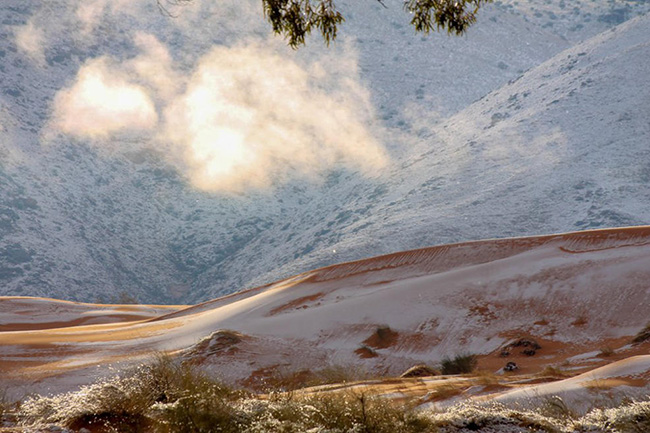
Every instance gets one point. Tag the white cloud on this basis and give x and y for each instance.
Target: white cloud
(154, 67)
(241, 117)
(30, 40)
(249, 117)
(91, 12)
(102, 101)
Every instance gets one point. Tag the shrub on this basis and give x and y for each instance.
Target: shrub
(382, 338)
(366, 352)
(643, 335)
(359, 412)
(460, 364)
(606, 352)
(186, 399)
(555, 407)
(493, 418)
(168, 397)
(631, 417)
(444, 391)
(339, 374)
(8, 409)
(553, 372)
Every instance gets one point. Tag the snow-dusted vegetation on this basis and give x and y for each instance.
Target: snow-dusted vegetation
(166, 397)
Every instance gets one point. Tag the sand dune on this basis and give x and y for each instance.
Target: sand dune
(607, 385)
(20, 313)
(574, 293)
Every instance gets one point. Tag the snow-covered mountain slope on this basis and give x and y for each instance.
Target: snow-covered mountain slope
(573, 293)
(563, 147)
(86, 222)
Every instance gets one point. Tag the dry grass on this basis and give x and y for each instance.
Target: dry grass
(444, 391)
(8, 408)
(168, 397)
(283, 380)
(486, 378)
(600, 384)
(553, 372)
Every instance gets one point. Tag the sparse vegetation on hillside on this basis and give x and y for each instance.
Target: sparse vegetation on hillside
(460, 364)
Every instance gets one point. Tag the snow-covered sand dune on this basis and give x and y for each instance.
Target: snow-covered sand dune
(628, 378)
(21, 313)
(574, 293)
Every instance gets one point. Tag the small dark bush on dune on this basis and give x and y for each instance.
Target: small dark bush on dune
(643, 335)
(460, 364)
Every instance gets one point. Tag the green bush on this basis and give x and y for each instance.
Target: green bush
(460, 364)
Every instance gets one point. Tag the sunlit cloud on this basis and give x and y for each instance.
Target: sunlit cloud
(30, 39)
(154, 67)
(91, 12)
(102, 101)
(244, 117)
(249, 117)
